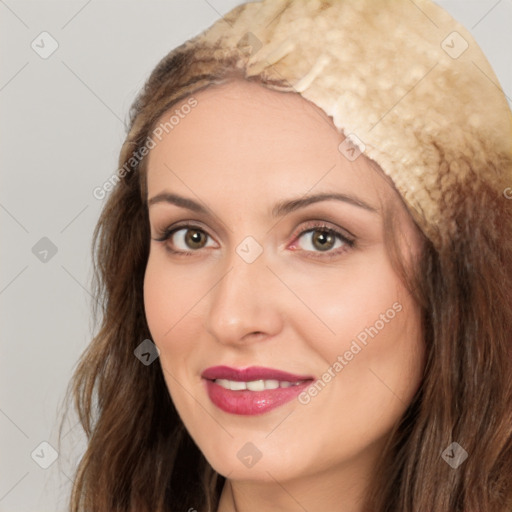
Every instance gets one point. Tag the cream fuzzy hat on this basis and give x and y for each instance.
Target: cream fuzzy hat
(405, 82)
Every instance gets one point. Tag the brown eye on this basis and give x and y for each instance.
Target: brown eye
(322, 240)
(319, 240)
(184, 239)
(194, 238)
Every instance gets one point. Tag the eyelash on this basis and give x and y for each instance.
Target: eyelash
(166, 234)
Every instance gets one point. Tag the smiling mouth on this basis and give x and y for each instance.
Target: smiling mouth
(256, 385)
(252, 374)
(253, 390)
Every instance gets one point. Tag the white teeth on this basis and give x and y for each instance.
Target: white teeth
(271, 384)
(236, 386)
(254, 385)
(223, 382)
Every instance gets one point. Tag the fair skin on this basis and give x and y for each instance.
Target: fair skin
(240, 151)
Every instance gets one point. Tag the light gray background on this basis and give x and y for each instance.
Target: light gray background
(62, 125)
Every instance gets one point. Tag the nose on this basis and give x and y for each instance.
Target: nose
(245, 304)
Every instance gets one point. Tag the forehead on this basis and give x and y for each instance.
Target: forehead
(244, 137)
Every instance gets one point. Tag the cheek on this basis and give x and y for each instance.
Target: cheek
(168, 295)
(169, 298)
(158, 297)
(360, 301)
(173, 297)
(374, 354)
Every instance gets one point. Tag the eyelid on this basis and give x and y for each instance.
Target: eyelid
(163, 234)
(348, 240)
(311, 225)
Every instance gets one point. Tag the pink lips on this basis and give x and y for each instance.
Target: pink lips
(246, 402)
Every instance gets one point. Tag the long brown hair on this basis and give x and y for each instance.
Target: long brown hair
(139, 456)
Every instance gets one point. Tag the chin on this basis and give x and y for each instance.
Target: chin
(262, 463)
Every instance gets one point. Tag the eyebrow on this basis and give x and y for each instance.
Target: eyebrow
(280, 209)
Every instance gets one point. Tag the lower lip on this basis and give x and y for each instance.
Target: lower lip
(250, 403)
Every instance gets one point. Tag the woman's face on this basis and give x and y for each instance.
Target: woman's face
(257, 282)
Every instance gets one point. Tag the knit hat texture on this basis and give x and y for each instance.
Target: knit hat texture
(401, 79)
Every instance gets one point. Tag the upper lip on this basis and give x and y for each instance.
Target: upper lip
(250, 374)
